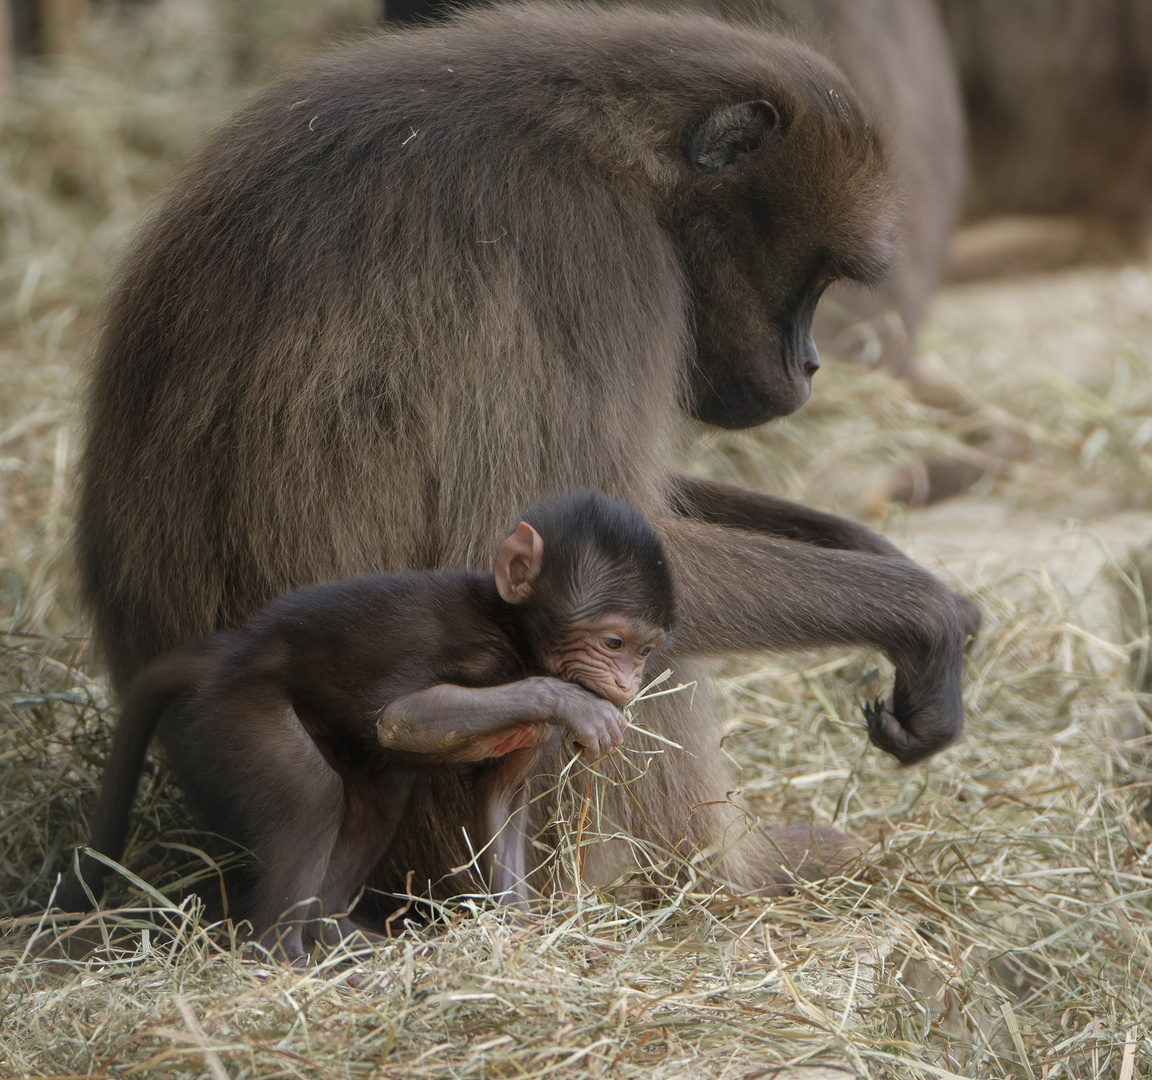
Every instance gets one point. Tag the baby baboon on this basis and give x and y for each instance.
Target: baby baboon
(441, 275)
(299, 734)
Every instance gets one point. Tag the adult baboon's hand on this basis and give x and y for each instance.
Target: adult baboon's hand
(927, 708)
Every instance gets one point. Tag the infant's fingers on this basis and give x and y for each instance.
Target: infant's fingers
(606, 742)
(591, 747)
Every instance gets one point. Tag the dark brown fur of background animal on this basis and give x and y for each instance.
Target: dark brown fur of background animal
(436, 278)
(1058, 95)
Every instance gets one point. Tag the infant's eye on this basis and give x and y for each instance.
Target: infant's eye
(611, 641)
(647, 650)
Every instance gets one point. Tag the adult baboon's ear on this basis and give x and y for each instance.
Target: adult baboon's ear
(733, 134)
(518, 564)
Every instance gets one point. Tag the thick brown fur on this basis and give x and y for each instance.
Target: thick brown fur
(1058, 96)
(897, 57)
(444, 274)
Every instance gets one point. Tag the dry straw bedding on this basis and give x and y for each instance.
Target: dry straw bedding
(1001, 917)
(998, 925)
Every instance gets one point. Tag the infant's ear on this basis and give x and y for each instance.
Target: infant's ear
(518, 564)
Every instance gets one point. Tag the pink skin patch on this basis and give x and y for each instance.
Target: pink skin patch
(507, 741)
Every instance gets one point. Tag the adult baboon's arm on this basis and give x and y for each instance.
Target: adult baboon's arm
(727, 504)
(741, 591)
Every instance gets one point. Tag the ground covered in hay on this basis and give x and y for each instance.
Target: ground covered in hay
(999, 924)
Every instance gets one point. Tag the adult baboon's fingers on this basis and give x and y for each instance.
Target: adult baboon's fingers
(914, 737)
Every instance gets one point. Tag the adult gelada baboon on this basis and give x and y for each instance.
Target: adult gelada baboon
(1058, 95)
(443, 274)
(896, 56)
